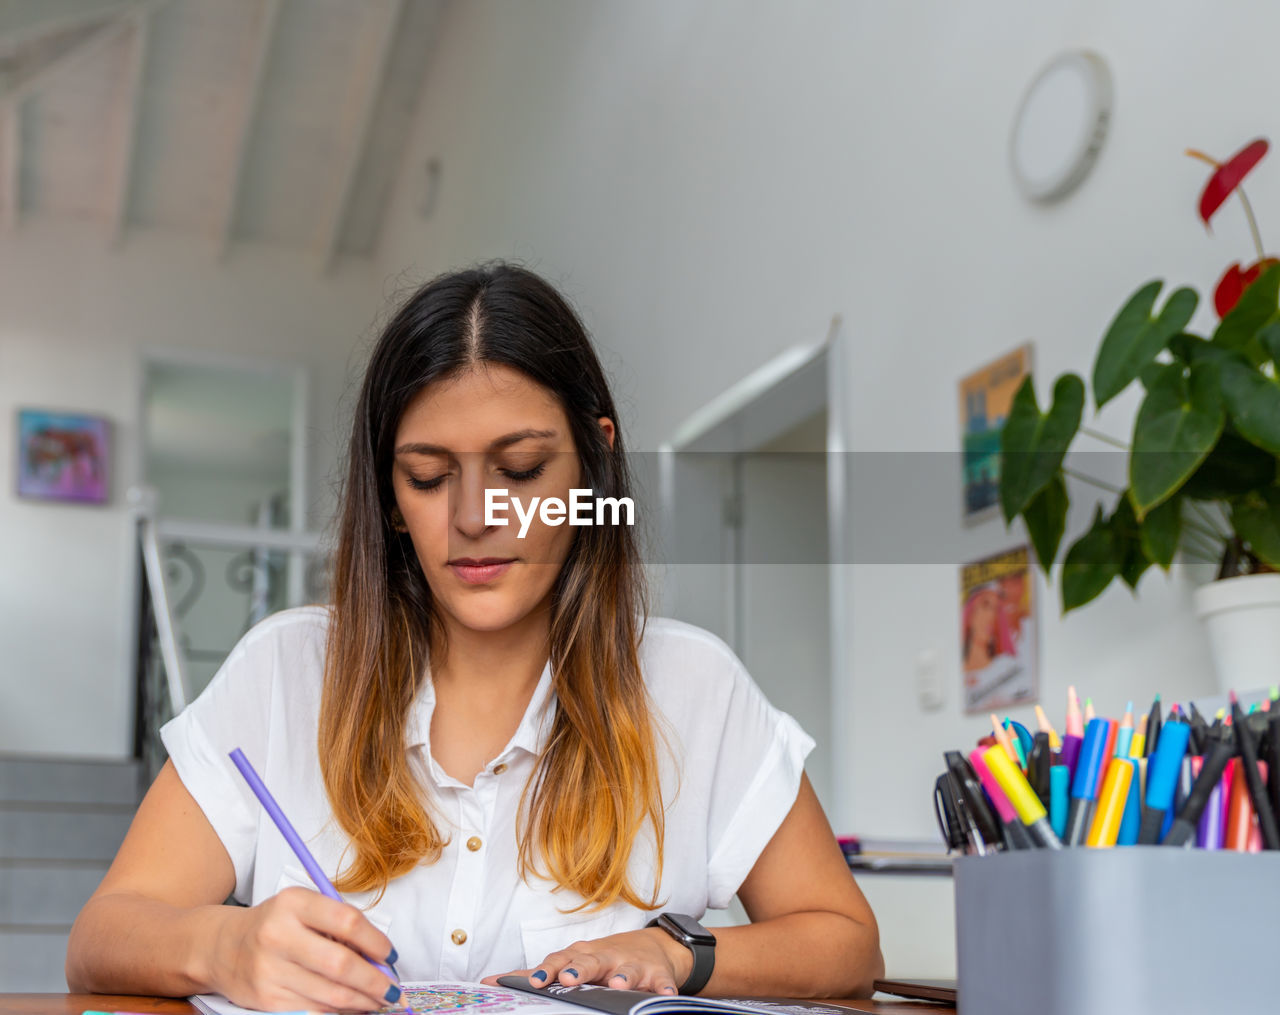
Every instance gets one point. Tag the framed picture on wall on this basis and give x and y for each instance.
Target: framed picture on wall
(986, 396)
(63, 456)
(998, 632)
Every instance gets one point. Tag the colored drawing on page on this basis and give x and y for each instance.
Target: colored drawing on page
(442, 998)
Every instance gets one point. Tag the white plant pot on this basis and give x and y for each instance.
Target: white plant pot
(1242, 618)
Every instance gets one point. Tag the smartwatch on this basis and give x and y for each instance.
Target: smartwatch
(690, 933)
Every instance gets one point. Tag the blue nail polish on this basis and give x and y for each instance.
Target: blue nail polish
(621, 976)
(394, 957)
(571, 972)
(540, 975)
(392, 995)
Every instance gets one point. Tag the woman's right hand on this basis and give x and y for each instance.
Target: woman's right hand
(300, 950)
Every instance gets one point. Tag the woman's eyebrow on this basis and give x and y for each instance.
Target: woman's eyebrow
(505, 441)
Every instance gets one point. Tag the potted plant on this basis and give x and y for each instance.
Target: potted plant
(1202, 463)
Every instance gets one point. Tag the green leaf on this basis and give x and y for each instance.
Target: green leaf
(1161, 530)
(1126, 532)
(1033, 444)
(1046, 518)
(1256, 519)
(1256, 309)
(1234, 467)
(1148, 374)
(1090, 564)
(1135, 338)
(1186, 346)
(1253, 399)
(1177, 426)
(1269, 339)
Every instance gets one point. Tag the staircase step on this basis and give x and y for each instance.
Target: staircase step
(46, 893)
(68, 832)
(25, 779)
(32, 960)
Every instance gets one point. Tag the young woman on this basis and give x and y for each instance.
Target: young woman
(499, 761)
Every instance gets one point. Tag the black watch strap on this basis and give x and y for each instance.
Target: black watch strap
(690, 933)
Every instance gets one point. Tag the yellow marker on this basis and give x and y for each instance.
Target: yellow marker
(1003, 738)
(1030, 810)
(1110, 809)
(1138, 744)
(1055, 741)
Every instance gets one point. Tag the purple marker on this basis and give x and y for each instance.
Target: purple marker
(295, 842)
(1071, 752)
(1209, 835)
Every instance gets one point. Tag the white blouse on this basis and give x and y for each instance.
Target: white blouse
(733, 778)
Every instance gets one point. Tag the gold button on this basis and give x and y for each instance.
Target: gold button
(474, 843)
(499, 769)
(459, 937)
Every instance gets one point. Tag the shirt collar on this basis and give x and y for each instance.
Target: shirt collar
(530, 736)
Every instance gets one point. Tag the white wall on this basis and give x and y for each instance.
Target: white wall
(712, 180)
(74, 317)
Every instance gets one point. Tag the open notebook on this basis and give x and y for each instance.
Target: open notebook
(445, 998)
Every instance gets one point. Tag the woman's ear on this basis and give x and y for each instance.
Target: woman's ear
(606, 424)
(397, 520)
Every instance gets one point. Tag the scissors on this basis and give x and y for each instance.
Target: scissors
(944, 809)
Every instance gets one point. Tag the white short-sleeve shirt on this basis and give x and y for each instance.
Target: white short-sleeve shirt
(729, 777)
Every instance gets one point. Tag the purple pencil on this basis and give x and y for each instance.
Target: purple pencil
(294, 840)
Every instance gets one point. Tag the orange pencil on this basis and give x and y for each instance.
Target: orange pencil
(1111, 739)
(1002, 738)
(1239, 812)
(1107, 755)
(1055, 741)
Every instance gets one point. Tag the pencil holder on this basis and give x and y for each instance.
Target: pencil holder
(1143, 930)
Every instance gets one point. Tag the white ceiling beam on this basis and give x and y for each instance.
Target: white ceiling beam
(16, 32)
(127, 134)
(371, 78)
(71, 59)
(268, 19)
(11, 168)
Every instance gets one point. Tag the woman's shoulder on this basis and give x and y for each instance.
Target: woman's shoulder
(293, 639)
(681, 657)
(299, 628)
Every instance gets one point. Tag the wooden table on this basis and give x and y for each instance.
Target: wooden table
(74, 1004)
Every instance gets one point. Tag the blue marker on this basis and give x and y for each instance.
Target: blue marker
(1131, 823)
(1059, 801)
(1084, 785)
(1163, 769)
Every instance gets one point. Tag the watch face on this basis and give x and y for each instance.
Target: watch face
(690, 928)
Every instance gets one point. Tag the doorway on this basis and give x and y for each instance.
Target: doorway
(753, 492)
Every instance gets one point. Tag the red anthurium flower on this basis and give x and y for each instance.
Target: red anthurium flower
(1229, 175)
(1235, 281)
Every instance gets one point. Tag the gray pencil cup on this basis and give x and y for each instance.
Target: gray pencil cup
(1139, 930)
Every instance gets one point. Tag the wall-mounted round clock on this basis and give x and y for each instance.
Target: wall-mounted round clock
(1060, 125)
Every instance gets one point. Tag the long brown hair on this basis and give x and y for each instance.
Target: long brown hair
(596, 783)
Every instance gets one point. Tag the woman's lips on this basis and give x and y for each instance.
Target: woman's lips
(478, 572)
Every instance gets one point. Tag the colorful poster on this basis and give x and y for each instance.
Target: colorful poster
(985, 399)
(998, 636)
(62, 456)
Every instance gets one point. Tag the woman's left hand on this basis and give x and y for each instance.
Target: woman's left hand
(648, 959)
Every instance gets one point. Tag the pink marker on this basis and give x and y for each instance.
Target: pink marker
(1015, 831)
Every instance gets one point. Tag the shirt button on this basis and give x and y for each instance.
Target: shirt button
(499, 769)
(459, 936)
(474, 843)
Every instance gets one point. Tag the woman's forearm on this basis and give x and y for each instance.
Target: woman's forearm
(126, 943)
(806, 954)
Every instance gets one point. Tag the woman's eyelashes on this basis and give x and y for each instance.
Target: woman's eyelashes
(516, 476)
